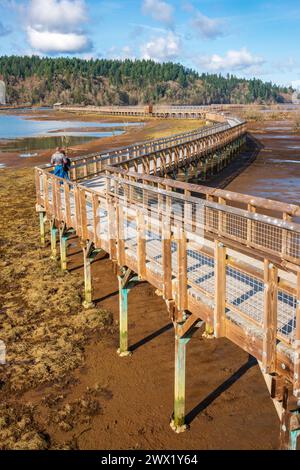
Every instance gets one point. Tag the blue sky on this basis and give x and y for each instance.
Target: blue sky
(255, 38)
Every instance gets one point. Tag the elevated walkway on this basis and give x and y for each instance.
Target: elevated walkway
(229, 260)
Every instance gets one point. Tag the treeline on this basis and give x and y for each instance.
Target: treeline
(39, 80)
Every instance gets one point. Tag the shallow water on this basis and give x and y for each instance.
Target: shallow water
(30, 144)
(18, 133)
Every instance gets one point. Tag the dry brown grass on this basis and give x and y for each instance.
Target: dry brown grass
(42, 321)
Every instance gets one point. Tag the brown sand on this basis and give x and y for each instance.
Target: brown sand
(64, 385)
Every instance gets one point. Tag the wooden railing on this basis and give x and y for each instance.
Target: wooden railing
(134, 209)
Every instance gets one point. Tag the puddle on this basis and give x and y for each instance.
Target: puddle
(284, 161)
(270, 136)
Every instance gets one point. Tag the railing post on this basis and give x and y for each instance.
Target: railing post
(220, 289)
(182, 297)
(120, 234)
(270, 317)
(111, 211)
(285, 236)
(167, 258)
(141, 242)
(297, 344)
(96, 220)
(250, 223)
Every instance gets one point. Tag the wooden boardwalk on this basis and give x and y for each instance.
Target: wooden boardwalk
(229, 260)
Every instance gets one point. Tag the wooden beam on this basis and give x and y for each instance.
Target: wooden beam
(182, 270)
(220, 289)
(297, 344)
(141, 245)
(270, 317)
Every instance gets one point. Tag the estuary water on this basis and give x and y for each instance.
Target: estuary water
(20, 133)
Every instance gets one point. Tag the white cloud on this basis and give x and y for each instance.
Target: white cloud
(57, 15)
(209, 28)
(51, 42)
(231, 61)
(162, 48)
(159, 10)
(55, 26)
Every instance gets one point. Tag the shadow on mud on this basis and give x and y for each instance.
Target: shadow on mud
(152, 336)
(220, 389)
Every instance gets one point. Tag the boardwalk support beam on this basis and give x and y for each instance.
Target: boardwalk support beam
(63, 239)
(43, 218)
(127, 281)
(294, 442)
(53, 236)
(183, 334)
(178, 422)
(290, 422)
(89, 254)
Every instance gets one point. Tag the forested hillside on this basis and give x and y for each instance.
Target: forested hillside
(45, 81)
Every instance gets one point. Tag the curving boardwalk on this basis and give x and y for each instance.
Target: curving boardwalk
(229, 260)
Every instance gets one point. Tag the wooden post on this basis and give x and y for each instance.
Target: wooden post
(285, 236)
(178, 422)
(297, 344)
(251, 209)
(53, 235)
(270, 318)
(188, 215)
(221, 218)
(42, 217)
(67, 204)
(88, 287)
(63, 237)
(141, 242)
(167, 259)
(220, 289)
(182, 271)
(83, 213)
(123, 321)
(96, 221)
(111, 229)
(126, 282)
(120, 234)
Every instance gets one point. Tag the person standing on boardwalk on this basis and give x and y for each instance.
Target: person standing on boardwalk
(60, 163)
